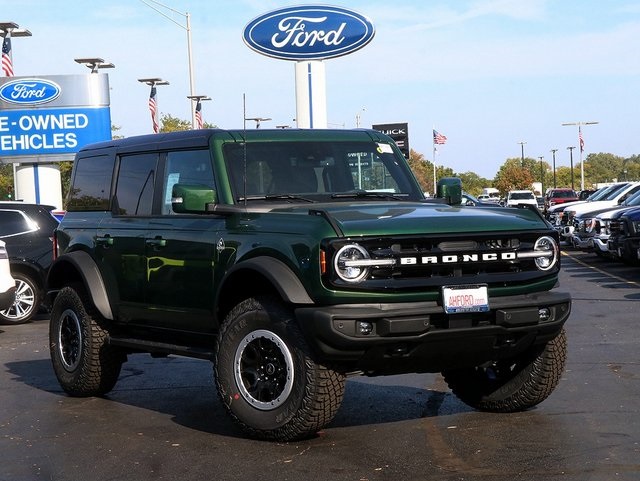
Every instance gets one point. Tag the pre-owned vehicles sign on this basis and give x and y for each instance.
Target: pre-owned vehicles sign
(308, 32)
(57, 114)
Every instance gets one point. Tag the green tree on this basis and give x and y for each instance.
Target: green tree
(515, 175)
(169, 123)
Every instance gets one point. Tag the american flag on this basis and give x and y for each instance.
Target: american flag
(199, 122)
(581, 140)
(7, 64)
(153, 108)
(438, 138)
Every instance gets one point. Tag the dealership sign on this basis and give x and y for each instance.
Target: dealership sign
(52, 115)
(308, 32)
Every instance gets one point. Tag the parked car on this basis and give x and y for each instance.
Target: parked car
(615, 197)
(559, 196)
(591, 228)
(7, 282)
(624, 240)
(27, 230)
(517, 197)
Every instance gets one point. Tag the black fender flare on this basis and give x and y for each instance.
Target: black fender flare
(86, 267)
(279, 275)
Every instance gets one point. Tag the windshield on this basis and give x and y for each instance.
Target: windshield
(313, 169)
(613, 193)
(521, 195)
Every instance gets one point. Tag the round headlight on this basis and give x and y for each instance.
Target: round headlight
(548, 251)
(349, 264)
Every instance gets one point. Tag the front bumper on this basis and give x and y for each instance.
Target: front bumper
(420, 337)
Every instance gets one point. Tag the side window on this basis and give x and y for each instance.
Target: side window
(192, 167)
(13, 222)
(91, 185)
(134, 189)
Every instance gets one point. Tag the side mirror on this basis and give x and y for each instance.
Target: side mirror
(192, 198)
(450, 189)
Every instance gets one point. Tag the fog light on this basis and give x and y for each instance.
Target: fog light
(364, 328)
(544, 314)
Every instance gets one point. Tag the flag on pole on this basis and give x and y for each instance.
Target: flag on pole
(580, 139)
(7, 64)
(153, 108)
(199, 122)
(438, 138)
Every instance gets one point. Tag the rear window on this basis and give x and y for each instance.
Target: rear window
(521, 195)
(91, 183)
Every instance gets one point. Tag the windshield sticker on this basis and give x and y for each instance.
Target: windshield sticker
(385, 149)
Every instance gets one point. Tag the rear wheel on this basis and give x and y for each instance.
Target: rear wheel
(84, 363)
(27, 301)
(266, 377)
(513, 384)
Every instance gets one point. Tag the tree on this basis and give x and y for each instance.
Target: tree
(170, 123)
(515, 175)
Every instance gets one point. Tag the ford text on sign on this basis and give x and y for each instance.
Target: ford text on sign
(308, 32)
(30, 91)
(52, 131)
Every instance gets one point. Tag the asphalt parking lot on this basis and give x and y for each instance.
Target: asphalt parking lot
(163, 420)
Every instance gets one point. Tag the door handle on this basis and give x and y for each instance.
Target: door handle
(105, 241)
(156, 242)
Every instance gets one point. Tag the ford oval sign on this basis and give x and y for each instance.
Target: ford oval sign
(29, 91)
(308, 32)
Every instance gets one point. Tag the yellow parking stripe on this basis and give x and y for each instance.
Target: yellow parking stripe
(609, 274)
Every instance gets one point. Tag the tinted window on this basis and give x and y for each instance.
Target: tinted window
(134, 189)
(13, 222)
(191, 167)
(91, 183)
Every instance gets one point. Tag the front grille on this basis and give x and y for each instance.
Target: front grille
(436, 261)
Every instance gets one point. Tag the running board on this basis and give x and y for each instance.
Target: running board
(155, 347)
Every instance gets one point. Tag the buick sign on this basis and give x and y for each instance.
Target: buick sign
(308, 32)
(29, 91)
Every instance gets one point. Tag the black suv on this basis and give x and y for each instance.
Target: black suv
(291, 259)
(27, 230)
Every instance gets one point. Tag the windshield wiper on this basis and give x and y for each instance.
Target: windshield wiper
(275, 197)
(360, 194)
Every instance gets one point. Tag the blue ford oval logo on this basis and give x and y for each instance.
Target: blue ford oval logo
(308, 32)
(29, 91)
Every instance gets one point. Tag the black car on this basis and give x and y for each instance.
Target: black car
(27, 230)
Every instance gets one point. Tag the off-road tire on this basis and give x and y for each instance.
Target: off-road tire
(266, 376)
(84, 363)
(27, 301)
(514, 384)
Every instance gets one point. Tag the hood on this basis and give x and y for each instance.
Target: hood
(397, 218)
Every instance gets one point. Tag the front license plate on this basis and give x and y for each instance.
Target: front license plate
(457, 299)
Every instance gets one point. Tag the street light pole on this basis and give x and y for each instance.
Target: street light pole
(186, 27)
(581, 143)
(9, 30)
(153, 103)
(522, 152)
(541, 176)
(258, 120)
(553, 152)
(570, 149)
(94, 63)
(198, 100)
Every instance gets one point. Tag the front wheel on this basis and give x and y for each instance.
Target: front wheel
(267, 378)
(83, 361)
(513, 384)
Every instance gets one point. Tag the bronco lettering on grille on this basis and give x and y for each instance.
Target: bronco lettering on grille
(459, 258)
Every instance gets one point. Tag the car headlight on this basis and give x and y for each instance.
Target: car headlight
(547, 252)
(350, 263)
(635, 225)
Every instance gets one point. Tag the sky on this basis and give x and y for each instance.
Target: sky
(487, 74)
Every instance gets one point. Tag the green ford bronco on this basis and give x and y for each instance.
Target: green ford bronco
(292, 259)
